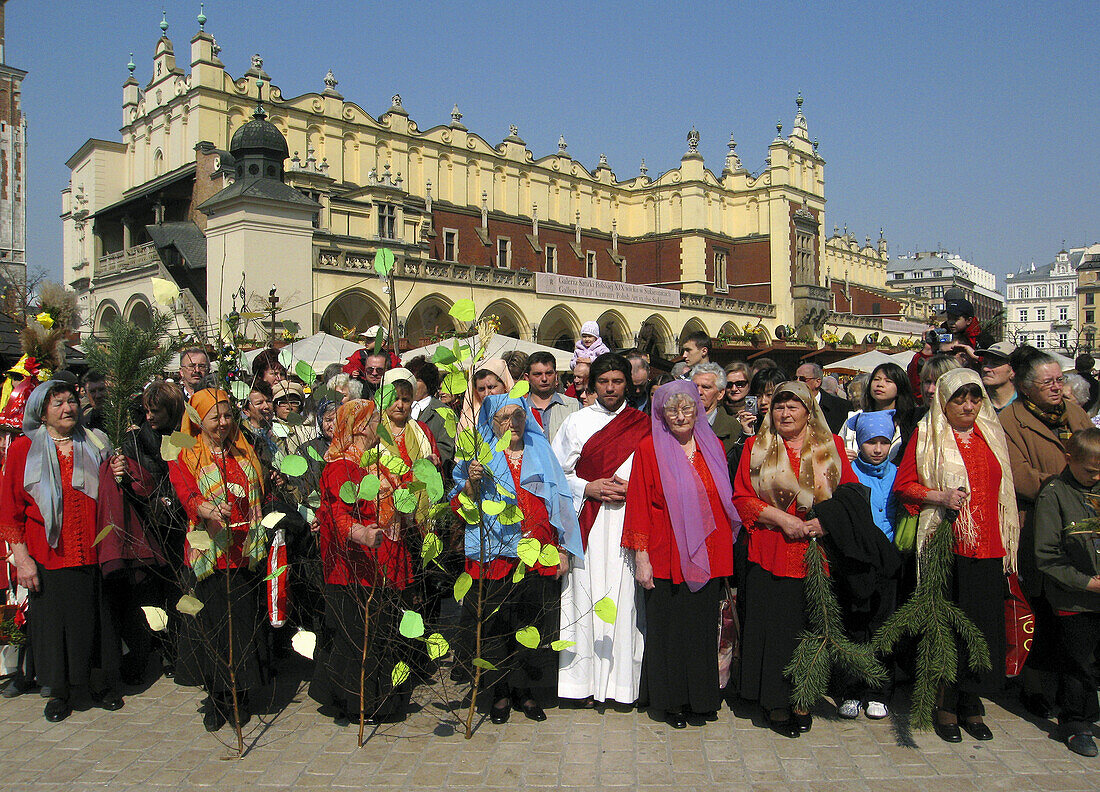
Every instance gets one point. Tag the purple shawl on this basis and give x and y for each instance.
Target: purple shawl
(688, 505)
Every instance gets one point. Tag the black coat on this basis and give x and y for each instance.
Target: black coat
(836, 410)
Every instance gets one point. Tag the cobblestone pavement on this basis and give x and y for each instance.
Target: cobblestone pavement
(156, 742)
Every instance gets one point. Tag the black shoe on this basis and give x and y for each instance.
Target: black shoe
(57, 709)
(169, 670)
(532, 711)
(803, 721)
(948, 732)
(112, 702)
(213, 719)
(978, 730)
(499, 715)
(676, 720)
(341, 719)
(1081, 743)
(1037, 705)
(784, 728)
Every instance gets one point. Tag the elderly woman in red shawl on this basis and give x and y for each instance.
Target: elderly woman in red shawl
(680, 523)
(219, 483)
(793, 463)
(366, 566)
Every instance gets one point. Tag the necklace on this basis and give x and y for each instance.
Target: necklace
(57, 439)
(513, 455)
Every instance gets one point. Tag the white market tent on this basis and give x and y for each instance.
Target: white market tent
(865, 362)
(318, 351)
(497, 346)
(903, 358)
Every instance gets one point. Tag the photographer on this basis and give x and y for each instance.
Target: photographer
(959, 335)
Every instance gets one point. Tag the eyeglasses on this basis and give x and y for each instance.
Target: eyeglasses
(376, 369)
(1059, 381)
(685, 411)
(196, 366)
(738, 383)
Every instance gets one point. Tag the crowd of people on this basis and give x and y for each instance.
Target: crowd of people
(670, 516)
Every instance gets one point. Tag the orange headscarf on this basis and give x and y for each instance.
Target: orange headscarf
(350, 416)
(200, 455)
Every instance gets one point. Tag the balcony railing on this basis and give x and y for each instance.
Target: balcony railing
(132, 258)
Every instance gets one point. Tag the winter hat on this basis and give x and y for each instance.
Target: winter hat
(868, 425)
(590, 328)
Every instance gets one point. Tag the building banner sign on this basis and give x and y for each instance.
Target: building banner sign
(591, 289)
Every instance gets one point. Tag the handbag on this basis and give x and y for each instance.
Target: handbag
(729, 636)
(1019, 627)
(905, 536)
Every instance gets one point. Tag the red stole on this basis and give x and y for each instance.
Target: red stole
(603, 454)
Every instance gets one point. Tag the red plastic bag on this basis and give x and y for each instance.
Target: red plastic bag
(1019, 628)
(276, 580)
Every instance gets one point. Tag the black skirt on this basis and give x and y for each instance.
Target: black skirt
(533, 602)
(978, 588)
(339, 663)
(203, 656)
(72, 631)
(680, 662)
(775, 614)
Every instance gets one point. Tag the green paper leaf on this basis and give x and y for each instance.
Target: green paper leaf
(291, 328)
(463, 310)
(412, 624)
(442, 356)
(378, 336)
(557, 646)
(314, 500)
(369, 486)
(605, 610)
(437, 646)
(529, 637)
(370, 457)
(520, 389)
(274, 574)
(295, 419)
(189, 605)
(383, 261)
(455, 383)
(349, 493)
(240, 390)
(314, 453)
(462, 585)
(511, 515)
(527, 550)
(102, 534)
(404, 501)
(431, 548)
(199, 540)
(394, 464)
(285, 358)
(492, 507)
(193, 414)
(549, 556)
(484, 664)
(293, 465)
(521, 570)
(400, 673)
(168, 452)
(504, 440)
(450, 422)
(462, 351)
(305, 371)
(182, 440)
(155, 617)
(423, 470)
(466, 444)
(384, 434)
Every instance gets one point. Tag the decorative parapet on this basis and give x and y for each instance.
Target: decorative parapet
(853, 320)
(712, 302)
(132, 258)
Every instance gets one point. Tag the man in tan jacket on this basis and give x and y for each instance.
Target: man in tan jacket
(1037, 426)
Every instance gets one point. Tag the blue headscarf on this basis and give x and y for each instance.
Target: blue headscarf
(42, 474)
(540, 474)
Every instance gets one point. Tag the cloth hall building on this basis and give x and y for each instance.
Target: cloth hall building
(227, 201)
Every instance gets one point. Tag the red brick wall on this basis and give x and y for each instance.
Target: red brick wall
(861, 302)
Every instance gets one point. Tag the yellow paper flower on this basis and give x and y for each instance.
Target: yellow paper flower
(45, 320)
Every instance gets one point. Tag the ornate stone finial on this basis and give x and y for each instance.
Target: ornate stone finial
(164, 22)
(733, 162)
(642, 169)
(513, 130)
(815, 145)
(323, 167)
(836, 230)
(131, 65)
(201, 17)
(257, 62)
(562, 145)
(693, 140)
(798, 101)
(603, 161)
(330, 81)
(779, 128)
(296, 160)
(215, 47)
(259, 112)
(310, 159)
(397, 100)
(456, 115)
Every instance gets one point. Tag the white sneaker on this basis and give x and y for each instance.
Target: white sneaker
(850, 708)
(876, 710)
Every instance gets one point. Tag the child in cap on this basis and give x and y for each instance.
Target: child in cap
(590, 347)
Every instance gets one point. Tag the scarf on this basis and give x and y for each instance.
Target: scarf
(353, 418)
(940, 466)
(688, 505)
(42, 475)
(819, 468)
(540, 474)
(209, 474)
(417, 446)
(1055, 418)
(471, 405)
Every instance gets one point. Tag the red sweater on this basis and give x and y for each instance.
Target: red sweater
(21, 520)
(239, 518)
(344, 561)
(768, 546)
(984, 473)
(647, 525)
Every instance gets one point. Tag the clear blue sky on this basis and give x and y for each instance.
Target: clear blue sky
(971, 126)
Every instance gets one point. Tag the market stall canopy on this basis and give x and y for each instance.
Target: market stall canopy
(903, 358)
(865, 362)
(497, 346)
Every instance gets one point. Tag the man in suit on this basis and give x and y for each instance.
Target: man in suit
(710, 379)
(426, 408)
(835, 408)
